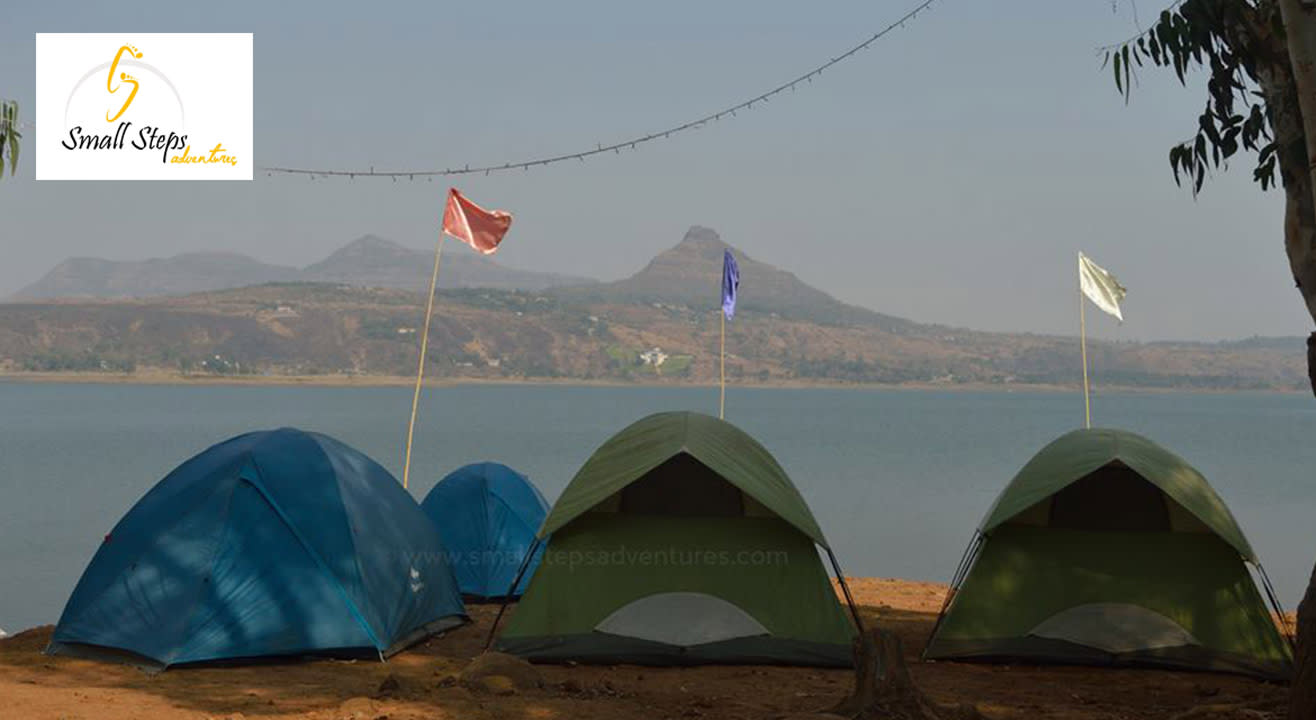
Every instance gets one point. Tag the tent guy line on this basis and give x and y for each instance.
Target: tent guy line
(615, 148)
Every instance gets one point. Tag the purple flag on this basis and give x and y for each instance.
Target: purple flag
(730, 283)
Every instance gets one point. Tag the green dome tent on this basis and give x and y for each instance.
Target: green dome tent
(1108, 549)
(681, 541)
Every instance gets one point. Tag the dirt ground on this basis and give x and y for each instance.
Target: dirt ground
(35, 686)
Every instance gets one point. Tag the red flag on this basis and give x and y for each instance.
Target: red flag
(481, 229)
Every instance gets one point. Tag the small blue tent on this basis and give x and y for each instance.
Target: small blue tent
(272, 543)
(488, 515)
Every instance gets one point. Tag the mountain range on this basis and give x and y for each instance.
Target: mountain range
(369, 261)
(358, 313)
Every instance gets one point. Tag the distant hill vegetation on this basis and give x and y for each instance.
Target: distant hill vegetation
(368, 261)
(358, 312)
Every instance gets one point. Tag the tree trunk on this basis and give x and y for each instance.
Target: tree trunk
(1300, 34)
(1293, 105)
(884, 689)
(1287, 77)
(1302, 698)
(1292, 101)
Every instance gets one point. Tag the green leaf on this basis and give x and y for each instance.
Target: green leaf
(13, 139)
(1128, 88)
(1118, 79)
(1205, 122)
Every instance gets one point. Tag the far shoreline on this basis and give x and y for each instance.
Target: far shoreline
(387, 381)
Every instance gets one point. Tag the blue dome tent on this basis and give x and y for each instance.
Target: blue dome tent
(276, 543)
(488, 515)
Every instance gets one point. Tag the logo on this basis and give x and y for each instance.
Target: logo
(144, 107)
(415, 582)
(123, 77)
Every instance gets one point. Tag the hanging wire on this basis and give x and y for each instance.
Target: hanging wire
(1105, 48)
(630, 144)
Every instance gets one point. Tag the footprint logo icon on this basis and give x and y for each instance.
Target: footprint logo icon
(124, 80)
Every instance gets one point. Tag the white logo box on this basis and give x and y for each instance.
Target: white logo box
(190, 119)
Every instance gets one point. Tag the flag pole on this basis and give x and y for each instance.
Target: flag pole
(722, 396)
(1083, 341)
(420, 371)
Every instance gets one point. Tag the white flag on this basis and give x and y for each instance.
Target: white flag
(1100, 286)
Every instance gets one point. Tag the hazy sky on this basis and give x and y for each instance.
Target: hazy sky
(950, 174)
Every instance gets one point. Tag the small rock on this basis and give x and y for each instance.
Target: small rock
(390, 686)
(359, 708)
(520, 673)
(494, 685)
(571, 685)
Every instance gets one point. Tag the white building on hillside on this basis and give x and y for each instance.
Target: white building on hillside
(655, 357)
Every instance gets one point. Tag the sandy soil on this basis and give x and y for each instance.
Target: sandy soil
(35, 686)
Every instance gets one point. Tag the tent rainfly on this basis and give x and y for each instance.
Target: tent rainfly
(278, 543)
(487, 515)
(1107, 549)
(681, 541)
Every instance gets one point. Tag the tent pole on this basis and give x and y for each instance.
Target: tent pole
(966, 561)
(845, 588)
(420, 371)
(1289, 633)
(1083, 341)
(970, 554)
(722, 394)
(507, 598)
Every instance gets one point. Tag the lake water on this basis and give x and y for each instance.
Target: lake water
(898, 479)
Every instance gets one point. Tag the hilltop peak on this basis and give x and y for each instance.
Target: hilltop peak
(702, 238)
(700, 246)
(367, 245)
(690, 274)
